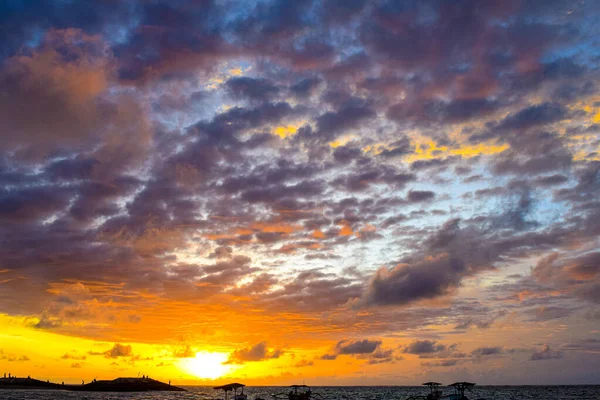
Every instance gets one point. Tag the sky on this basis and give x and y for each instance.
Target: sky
(336, 192)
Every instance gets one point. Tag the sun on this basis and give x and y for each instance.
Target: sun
(208, 365)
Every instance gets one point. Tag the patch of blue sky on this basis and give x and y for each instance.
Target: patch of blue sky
(584, 52)
(36, 37)
(236, 9)
(117, 33)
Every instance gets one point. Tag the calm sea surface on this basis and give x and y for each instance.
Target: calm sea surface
(329, 393)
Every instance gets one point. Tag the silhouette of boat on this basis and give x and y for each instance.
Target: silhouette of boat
(436, 394)
(459, 390)
(233, 387)
(298, 392)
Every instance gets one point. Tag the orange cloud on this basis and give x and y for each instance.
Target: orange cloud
(317, 234)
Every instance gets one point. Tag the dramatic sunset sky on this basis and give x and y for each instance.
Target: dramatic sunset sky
(341, 192)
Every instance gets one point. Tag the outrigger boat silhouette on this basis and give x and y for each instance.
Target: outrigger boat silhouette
(436, 394)
(298, 392)
(233, 387)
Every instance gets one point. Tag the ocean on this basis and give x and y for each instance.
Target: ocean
(328, 393)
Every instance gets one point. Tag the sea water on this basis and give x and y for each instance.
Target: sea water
(328, 393)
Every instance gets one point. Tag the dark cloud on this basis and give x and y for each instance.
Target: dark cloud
(552, 180)
(487, 351)
(331, 124)
(546, 353)
(399, 148)
(417, 196)
(381, 355)
(305, 87)
(328, 357)
(34, 204)
(485, 323)
(420, 347)
(346, 154)
(539, 114)
(222, 130)
(251, 88)
(357, 347)
(424, 279)
(549, 313)
(257, 352)
(455, 111)
(443, 363)
(585, 345)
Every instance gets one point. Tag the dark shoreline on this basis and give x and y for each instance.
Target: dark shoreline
(116, 385)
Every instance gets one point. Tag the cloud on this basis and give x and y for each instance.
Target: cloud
(18, 359)
(63, 82)
(331, 124)
(253, 89)
(184, 352)
(364, 346)
(487, 351)
(534, 115)
(546, 353)
(118, 350)
(304, 363)
(432, 277)
(257, 352)
(577, 274)
(381, 355)
(470, 322)
(549, 313)
(306, 86)
(359, 348)
(328, 357)
(591, 345)
(417, 196)
(69, 356)
(420, 347)
(443, 363)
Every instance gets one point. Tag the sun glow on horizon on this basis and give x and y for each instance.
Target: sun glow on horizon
(208, 365)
